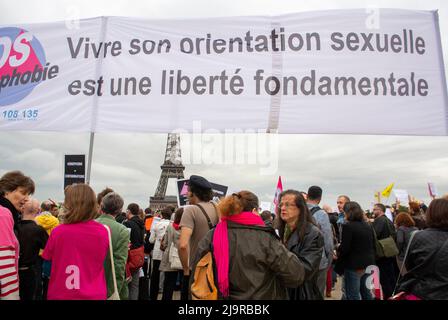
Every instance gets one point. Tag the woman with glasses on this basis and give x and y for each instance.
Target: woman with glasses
(299, 233)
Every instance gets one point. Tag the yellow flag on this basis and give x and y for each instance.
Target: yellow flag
(386, 192)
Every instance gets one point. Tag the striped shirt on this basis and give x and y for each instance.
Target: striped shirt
(9, 282)
(9, 257)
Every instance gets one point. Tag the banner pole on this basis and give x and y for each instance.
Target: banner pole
(89, 161)
(98, 70)
(276, 100)
(442, 66)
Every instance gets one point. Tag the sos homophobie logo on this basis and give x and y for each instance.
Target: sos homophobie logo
(23, 65)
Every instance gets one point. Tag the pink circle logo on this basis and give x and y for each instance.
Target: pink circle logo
(22, 64)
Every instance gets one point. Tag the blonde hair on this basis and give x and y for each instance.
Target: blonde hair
(80, 204)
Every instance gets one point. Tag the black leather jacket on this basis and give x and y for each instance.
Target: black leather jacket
(309, 252)
(427, 265)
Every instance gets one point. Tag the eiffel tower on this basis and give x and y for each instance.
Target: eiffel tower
(172, 167)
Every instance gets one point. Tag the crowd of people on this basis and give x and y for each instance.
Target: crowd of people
(89, 248)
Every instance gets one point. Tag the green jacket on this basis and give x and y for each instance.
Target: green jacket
(120, 244)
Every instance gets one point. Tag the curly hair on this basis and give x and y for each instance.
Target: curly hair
(404, 219)
(237, 203)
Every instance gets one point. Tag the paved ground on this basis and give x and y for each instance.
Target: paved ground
(335, 294)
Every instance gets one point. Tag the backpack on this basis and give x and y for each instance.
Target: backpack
(204, 286)
(136, 259)
(313, 210)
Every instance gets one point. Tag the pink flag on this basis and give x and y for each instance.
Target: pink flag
(184, 190)
(278, 190)
(432, 190)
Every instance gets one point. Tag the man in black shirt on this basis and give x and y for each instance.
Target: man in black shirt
(388, 270)
(32, 238)
(137, 235)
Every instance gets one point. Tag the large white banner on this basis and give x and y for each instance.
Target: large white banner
(346, 71)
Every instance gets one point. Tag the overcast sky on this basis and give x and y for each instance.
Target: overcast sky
(130, 163)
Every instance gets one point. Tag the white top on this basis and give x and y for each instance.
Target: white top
(158, 230)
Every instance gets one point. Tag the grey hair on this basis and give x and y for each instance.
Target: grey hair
(112, 203)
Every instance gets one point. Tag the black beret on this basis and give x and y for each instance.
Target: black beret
(199, 182)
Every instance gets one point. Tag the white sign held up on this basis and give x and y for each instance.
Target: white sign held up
(402, 196)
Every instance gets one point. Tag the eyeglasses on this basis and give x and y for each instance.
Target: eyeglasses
(287, 205)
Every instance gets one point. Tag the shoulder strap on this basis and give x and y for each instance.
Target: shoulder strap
(389, 227)
(314, 210)
(434, 255)
(211, 243)
(406, 253)
(214, 206)
(112, 259)
(210, 224)
(374, 232)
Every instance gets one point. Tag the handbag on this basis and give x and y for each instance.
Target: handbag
(136, 259)
(173, 258)
(115, 295)
(404, 296)
(388, 247)
(385, 247)
(163, 243)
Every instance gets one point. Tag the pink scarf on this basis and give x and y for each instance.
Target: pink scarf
(176, 226)
(221, 245)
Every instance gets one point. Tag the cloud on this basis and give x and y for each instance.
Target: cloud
(35, 158)
(130, 163)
